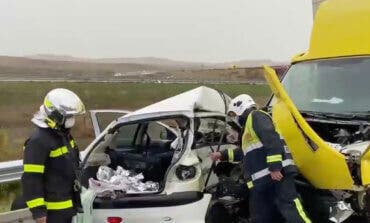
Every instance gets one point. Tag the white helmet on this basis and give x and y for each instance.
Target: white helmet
(240, 104)
(61, 105)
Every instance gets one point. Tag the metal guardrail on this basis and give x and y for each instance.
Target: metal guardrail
(11, 171)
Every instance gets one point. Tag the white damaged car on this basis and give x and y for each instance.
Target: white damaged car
(166, 144)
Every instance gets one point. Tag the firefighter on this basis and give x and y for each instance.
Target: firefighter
(51, 160)
(268, 165)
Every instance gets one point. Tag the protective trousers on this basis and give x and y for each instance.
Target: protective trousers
(58, 218)
(280, 196)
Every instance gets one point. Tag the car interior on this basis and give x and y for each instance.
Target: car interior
(145, 147)
(149, 148)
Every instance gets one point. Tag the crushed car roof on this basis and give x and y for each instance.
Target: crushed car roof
(199, 99)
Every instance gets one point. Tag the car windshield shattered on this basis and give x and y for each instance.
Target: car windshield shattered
(330, 86)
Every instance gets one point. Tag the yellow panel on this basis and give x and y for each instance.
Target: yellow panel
(341, 28)
(365, 168)
(324, 167)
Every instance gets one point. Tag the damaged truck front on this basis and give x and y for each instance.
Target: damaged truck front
(322, 107)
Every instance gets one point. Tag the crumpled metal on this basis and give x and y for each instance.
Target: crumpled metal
(340, 212)
(338, 147)
(115, 183)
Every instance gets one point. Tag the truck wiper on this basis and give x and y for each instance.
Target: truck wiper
(362, 114)
(350, 115)
(327, 115)
(340, 115)
(313, 114)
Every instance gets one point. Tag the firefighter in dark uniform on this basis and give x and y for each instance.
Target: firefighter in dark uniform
(268, 165)
(51, 160)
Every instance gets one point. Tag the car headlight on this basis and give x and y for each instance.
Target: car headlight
(185, 172)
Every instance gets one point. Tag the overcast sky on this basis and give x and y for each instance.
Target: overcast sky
(190, 30)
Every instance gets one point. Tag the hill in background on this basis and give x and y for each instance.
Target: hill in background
(155, 61)
(146, 69)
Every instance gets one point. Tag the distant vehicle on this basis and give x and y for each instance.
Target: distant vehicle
(322, 107)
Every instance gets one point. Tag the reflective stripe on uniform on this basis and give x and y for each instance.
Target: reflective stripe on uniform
(249, 184)
(61, 150)
(274, 158)
(58, 152)
(73, 144)
(35, 202)
(300, 210)
(252, 146)
(266, 171)
(59, 205)
(230, 154)
(33, 168)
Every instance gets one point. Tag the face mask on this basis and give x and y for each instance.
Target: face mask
(70, 122)
(242, 119)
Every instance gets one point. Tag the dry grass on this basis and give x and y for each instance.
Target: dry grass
(8, 192)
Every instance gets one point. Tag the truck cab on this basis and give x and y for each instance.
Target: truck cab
(322, 107)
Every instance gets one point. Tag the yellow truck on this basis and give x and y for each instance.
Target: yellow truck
(322, 107)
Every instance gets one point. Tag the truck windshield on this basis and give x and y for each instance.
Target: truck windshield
(332, 86)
